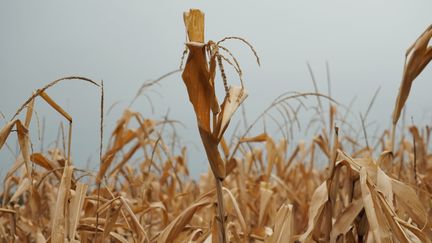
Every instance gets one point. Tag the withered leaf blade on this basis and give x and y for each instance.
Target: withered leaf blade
(58, 230)
(29, 113)
(236, 96)
(177, 225)
(318, 202)
(24, 142)
(40, 159)
(418, 56)
(135, 220)
(344, 221)
(23, 187)
(196, 78)
(409, 201)
(55, 106)
(75, 208)
(284, 225)
(369, 206)
(197, 75)
(385, 187)
(5, 131)
(257, 139)
(237, 209)
(265, 197)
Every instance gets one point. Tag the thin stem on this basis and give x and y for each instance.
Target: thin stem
(414, 151)
(221, 211)
(393, 138)
(415, 159)
(100, 154)
(69, 143)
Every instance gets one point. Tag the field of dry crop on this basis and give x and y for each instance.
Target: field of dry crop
(256, 190)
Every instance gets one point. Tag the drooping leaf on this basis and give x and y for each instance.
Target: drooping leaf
(417, 57)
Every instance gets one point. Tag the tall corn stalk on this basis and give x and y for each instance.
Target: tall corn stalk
(199, 78)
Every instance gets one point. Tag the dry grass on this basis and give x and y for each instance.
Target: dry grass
(257, 190)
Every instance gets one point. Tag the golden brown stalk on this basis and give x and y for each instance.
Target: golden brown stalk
(199, 80)
(199, 76)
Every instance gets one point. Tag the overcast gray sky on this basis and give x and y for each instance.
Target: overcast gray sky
(126, 43)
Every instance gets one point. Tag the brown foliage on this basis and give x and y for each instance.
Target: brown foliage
(270, 193)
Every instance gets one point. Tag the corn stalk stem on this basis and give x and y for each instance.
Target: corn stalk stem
(221, 211)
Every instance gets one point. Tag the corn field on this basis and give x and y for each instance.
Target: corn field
(256, 190)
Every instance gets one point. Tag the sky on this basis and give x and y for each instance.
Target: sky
(125, 43)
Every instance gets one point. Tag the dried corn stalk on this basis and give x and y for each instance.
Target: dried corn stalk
(199, 78)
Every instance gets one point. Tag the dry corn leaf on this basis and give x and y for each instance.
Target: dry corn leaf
(384, 186)
(5, 131)
(54, 105)
(272, 157)
(195, 234)
(40, 237)
(58, 230)
(225, 147)
(24, 186)
(24, 142)
(413, 232)
(265, 197)
(40, 160)
(119, 237)
(126, 157)
(284, 225)
(369, 207)
(29, 113)
(196, 76)
(396, 229)
(259, 138)
(344, 222)
(318, 202)
(35, 203)
(322, 144)
(417, 57)
(385, 159)
(135, 220)
(237, 210)
(75, 208)
(177, 225)
(291, 193)
(420, 149)
(122, 138)
(409, 201)
(236, 96)
(160, 207)
(111, 219)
